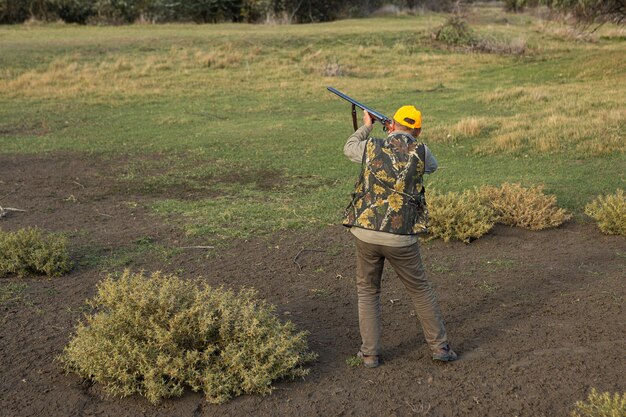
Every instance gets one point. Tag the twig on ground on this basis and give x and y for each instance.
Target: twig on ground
(295, 260)
(5, 210)
(103, 214)
(78, 183)
(197, 247)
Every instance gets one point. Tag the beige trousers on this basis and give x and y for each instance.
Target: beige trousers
(407, 263)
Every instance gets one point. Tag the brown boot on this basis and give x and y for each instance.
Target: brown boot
(445, 354)
(369, 361)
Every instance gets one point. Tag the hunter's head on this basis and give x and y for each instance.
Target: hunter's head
(407, 119)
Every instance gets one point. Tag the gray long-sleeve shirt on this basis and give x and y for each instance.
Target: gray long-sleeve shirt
(354, 149)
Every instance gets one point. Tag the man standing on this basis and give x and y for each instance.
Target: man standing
(386, 213)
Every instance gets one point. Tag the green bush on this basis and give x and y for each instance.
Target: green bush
(455, 32)
(528, 208)
(461, 216)
(158, 335)
(601, 405)
(609, 212)
(30, 251)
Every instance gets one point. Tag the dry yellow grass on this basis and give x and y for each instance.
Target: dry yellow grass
(251, 64)
(591, 121)
(469, 127)
(132, 75)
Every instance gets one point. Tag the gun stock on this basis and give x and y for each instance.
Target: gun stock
(376, 116)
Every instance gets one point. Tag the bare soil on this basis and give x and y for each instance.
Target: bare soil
(537, 317)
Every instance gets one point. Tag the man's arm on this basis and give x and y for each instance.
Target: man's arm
(355, 146)
(431, 164)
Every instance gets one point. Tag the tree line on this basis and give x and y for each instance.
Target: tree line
(586, 11)
(201, 11)
(256, 11)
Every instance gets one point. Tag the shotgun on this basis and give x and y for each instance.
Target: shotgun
(376, 116)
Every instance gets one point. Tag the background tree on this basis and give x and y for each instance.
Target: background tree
(590, 11)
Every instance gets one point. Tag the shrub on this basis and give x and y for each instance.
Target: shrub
(609, 212)
(30, 251)
(601, 405)
(455, 32)
(528, 208)
(458, 216)
(591, 10)
(157, 335)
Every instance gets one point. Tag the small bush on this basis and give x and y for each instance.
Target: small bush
(458, 216)
(455, 32)
(157, 335)
(528, 208)
(601, 405)
(30, 251)
(609, 212)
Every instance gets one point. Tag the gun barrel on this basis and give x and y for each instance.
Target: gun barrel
(377, 115)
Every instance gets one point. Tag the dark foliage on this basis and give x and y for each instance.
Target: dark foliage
(585, 11)
(201, 11)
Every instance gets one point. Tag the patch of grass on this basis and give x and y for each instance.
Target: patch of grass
(158, 335)
(216, 101)
(560, 128)
(601, 405)
(354, 361)
(11, 292)
(122, 257)
(469, 127)
(609, 211)
(30, 251)
(251, 212)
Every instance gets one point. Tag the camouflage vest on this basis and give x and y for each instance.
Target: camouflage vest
(389, 195)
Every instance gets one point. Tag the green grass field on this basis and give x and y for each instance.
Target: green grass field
(243, 110)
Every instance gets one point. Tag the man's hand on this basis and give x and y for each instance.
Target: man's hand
(367, 119)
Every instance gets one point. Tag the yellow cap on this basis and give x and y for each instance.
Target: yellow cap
(408, 116)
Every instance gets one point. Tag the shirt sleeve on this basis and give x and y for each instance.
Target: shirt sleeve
(431, 164)
(355, 146)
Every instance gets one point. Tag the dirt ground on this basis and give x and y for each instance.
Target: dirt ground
(538, 318)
